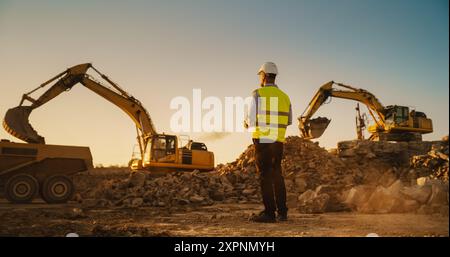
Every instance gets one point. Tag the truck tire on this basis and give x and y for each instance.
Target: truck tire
(57, 189)
(21, 188)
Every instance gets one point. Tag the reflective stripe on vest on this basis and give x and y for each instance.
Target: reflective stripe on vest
(272, 114)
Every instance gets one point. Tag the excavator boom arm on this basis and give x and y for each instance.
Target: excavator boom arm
(16, 119)
(131, 106)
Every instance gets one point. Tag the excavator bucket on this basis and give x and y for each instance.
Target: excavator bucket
(17, 124)
(316, 127)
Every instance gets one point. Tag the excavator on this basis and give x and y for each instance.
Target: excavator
(158, 152)
(392, 123)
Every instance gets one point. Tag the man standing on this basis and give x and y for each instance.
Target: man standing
(270, 114)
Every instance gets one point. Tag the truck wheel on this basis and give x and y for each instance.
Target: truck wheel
(57, 189)
(21, 188)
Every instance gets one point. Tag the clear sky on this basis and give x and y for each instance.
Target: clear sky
(156, 50)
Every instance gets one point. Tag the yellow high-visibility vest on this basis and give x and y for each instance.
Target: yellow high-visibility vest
(272, 114)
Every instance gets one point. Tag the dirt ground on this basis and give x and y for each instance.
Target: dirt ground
(40, 219)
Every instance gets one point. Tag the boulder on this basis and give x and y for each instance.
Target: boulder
(217, 195)
(422, 181)
(249, 191)
(306, 196)
(382, 200)
(347, 153)
(136, 202)
(359, 195)
(439, 194)
(300, 185)
(137, 179)
(310, 202)
(196, 199)
(409, 206)
(76, 213)
(395, 188)
(77, 198)
(387, 178)
(419, 193)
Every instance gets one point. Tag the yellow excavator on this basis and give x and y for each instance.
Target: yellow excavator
(392, 123)
(158, 152)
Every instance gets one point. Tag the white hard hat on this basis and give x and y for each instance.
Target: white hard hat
(268, 67)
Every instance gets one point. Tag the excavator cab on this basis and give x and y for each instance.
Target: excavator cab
(402, 116)
(397, 115)
(163, 148)
(191, 145)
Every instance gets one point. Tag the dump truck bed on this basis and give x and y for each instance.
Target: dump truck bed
(42, 160)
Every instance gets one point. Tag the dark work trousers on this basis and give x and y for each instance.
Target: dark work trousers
(268, 164)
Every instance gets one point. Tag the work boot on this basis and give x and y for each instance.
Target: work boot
(263, 217)
(282, 216)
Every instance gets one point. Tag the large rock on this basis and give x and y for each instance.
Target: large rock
(393, 199)
(439, 194)
(249, 191)
(419, 193)
(334, 203)
(409, 206)
(422, 181)
(137, 202)
(311, 202)
(217, 195)
(382, 200)
(359, 195)
(387, 178)
(196, 199)
(137, 179)
(347, 153)
(300, 185)
(396, 188)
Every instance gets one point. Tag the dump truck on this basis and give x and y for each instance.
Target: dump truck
(28, 170)
(391, 123)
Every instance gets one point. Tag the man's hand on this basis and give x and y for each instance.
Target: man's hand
(245, 124)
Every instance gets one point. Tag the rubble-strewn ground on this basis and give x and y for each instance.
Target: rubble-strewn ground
(396, 189)
(40, 219)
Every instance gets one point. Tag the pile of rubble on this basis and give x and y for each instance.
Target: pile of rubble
(415, 182)
(435, 163)
(373, 177)
(303, 161)
(306, 167)
(390, 153)
(198, 188)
